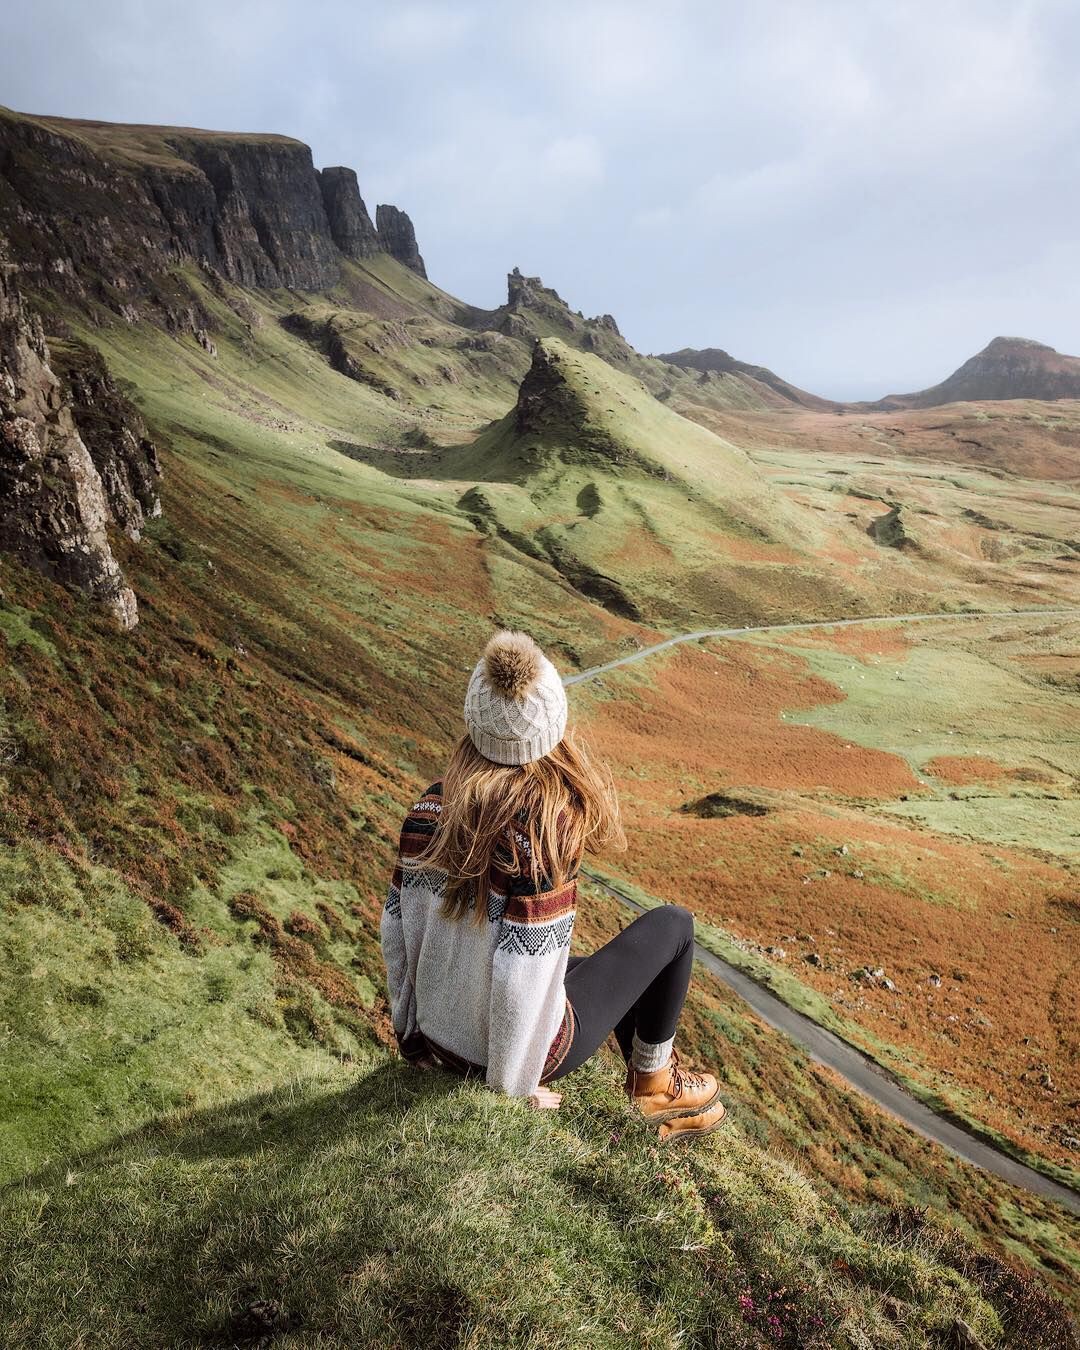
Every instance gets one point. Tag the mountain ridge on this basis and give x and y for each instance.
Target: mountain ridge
(716, 361)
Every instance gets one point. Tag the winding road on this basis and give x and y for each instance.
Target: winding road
(700, 633)
(823, 1046)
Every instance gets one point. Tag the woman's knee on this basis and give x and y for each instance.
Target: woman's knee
(674, 919)
(683, 920)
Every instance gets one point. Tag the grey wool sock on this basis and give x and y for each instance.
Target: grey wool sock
(648, 1056)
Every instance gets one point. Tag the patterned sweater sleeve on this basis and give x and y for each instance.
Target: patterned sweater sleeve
(398, 977)
(528, 996)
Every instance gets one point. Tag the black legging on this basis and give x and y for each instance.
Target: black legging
(635, 982)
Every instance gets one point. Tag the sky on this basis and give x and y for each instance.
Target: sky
(859, 194)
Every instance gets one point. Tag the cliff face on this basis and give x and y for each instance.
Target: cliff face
(55, 500)
(115, 434)
(87, 218)
(93, 214)
(1008, 367)
(351, 226)
(398, 238)
(269, 223)
(100, 211)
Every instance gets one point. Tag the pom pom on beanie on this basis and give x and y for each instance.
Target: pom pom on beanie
(515, 705)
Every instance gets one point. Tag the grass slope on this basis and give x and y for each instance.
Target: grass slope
(639, 506)
(396, 1208)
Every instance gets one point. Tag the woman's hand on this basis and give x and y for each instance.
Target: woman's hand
(424, 1062)
(543, 1099)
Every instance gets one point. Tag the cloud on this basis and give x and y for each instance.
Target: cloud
(413, 30)
(572, 160)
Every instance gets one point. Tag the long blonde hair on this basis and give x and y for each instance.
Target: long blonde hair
(563, 803)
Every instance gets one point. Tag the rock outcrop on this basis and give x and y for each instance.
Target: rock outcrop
(1009, 367)
(534, 310)
(890, 530)
(398, 238)
(352, 228)
(55, 501)
(115, 434)
(269, 223)
(89, 214)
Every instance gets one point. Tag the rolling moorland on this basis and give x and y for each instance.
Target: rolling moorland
(267, 491)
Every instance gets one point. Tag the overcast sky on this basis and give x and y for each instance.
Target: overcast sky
(856, 193)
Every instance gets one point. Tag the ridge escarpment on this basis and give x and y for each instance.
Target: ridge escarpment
(98, 211)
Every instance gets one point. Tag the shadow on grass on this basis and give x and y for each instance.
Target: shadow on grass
(269, 1120)
(413, 1208)
(282, 1214)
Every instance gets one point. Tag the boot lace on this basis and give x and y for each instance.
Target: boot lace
(683, 1079)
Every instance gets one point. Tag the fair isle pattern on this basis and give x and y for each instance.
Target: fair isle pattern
(536, 940)
(393, 899)
(433, 878)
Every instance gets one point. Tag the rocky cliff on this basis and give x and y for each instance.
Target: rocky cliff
(351, 226)
(115, 434)
(60, 491)
(100, 211)
(93, 215)
(534, 310)
(1009, 367)
(398, 238)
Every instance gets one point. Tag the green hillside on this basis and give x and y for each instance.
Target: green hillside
(206, 1136)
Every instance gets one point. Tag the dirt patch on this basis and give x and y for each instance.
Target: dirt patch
(751, 550)
(964, 769)
(863, 642)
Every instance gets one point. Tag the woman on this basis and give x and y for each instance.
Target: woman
(490, 988)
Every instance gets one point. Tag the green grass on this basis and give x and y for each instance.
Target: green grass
(17, 626)
(107, 1017)
(383, 1206)
(943, 699)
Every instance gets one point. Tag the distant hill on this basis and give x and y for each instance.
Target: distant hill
(586, 460)
(713, 361)
(1009, 367)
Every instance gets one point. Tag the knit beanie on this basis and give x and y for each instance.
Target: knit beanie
(515, 705)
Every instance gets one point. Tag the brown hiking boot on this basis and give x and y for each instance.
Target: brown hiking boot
(671, 1093)
(685, 1127)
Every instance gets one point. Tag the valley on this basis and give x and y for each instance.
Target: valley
(360, 476)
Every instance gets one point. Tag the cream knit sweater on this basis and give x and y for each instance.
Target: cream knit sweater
(490, 995)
